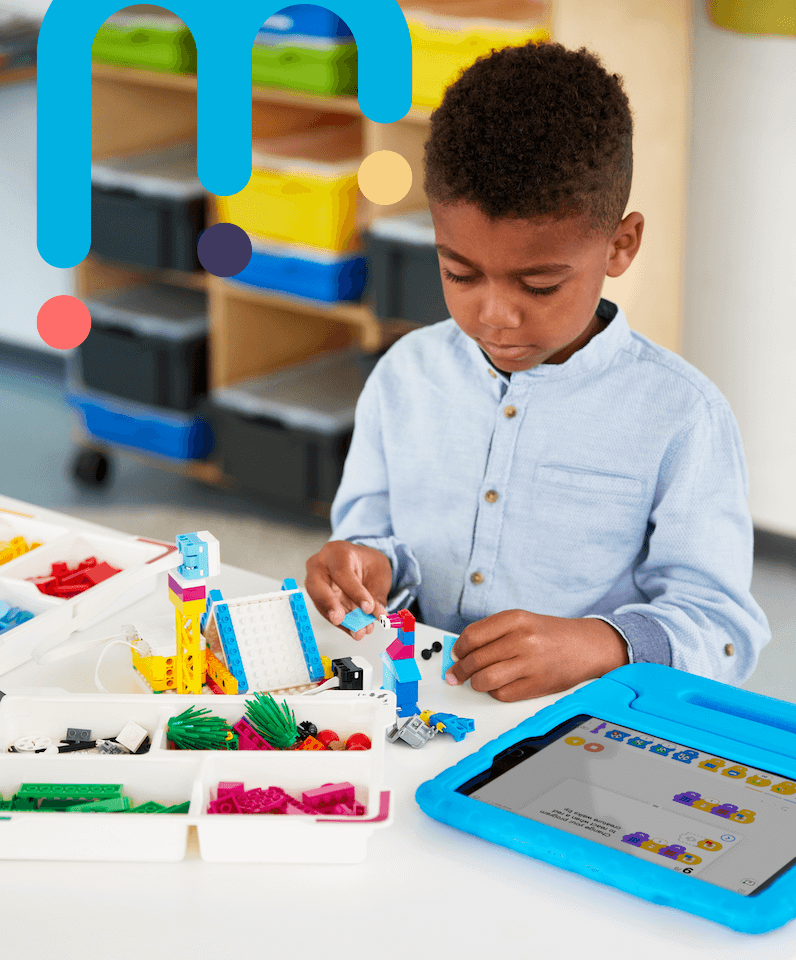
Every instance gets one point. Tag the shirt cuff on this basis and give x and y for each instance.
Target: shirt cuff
(647, 640)
(406, 577)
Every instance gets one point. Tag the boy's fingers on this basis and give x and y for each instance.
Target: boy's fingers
(321, 589)
(349, 582)
(499, 652)
(482, 632)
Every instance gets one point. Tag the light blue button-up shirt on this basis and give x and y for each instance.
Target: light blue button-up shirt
(611, 485)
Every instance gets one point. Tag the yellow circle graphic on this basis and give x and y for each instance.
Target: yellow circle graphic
(385, 177)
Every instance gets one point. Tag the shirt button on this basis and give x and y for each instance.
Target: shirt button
(491, 496)
(492, 374)
(477, 577)
(729, 649)
(510, 412)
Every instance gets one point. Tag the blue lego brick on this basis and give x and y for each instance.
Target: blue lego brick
(195, 558)
(356, 619)
(406, 671)
(407, 709)
(406, 693)
(213, 597)
(304, 628)
(226, 633)
(457, 727)
(447, 656)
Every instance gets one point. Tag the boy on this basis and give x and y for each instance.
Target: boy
(561, 491)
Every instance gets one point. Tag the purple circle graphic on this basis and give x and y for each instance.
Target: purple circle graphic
(224, 250)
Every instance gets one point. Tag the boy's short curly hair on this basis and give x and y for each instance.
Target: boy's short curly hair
(534, 131)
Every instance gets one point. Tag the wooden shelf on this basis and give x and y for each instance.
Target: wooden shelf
(17, 75)
(186, 83)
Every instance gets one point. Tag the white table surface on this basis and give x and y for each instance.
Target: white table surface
(424, 888)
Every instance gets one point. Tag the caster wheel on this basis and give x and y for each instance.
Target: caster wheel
(91, 468)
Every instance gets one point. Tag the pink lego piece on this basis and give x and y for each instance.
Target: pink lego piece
(249, 738)
(329, 795)
(228, 804)
(274, 800)
(400, 651)
(228, 787)
(296, 806)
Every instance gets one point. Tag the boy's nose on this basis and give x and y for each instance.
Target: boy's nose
(499, 314)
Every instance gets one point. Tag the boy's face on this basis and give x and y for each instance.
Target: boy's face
(527, 290)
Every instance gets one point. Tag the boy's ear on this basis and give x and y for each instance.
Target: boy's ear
(624, 244)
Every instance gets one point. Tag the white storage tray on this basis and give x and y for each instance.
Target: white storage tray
(174, 776)
(54, 617)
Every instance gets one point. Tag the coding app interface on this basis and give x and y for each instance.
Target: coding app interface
(704, 816)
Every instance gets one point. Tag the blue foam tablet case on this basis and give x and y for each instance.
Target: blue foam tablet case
(712, 717)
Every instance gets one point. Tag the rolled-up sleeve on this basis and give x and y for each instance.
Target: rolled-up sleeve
(701, 616)
(361, 508)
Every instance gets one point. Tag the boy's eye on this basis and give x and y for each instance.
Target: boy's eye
(536, 291)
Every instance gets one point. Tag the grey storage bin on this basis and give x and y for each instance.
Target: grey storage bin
(148, 209)
(147, 343)
(404, 278)
(285, 435)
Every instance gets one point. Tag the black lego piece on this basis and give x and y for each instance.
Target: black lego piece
(348, 673)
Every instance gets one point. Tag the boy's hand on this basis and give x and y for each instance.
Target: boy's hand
(347, 575)
(516, 655)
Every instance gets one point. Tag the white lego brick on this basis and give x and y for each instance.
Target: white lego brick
(268, 641)
(213, 552)
(132, 736)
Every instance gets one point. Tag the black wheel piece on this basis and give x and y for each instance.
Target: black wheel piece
(91, 468)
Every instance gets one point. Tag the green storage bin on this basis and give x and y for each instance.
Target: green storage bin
(146, 41)
(309, 66)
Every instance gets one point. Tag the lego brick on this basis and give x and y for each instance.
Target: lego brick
(132, 736)
(416, 732)
(329, 795)
(186, 590)
(113, 805)
(249, 738)
(76, 734)
(214, 596)
(406, 671)
(447, 655)
(226, 633)
(348, 673)
(301, 618)
(356, 619)
(200, 555)
(67, 791)
(218, 674)
(270, 650)
(229, 786)
(400, 651)
(149, 807)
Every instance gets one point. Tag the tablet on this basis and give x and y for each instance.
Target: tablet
(673, 787)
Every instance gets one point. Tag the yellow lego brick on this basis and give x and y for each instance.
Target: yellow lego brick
(327, 668)
(218, 672)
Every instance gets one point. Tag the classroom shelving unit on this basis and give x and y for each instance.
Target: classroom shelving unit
(251, 331)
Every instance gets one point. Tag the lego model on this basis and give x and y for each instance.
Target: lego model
(400, 672)
(187, 591)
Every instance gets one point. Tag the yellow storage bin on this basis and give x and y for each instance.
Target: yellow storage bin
(447, 38)
(303, 189)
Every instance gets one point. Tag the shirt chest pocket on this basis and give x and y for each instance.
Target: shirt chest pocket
(585, 527)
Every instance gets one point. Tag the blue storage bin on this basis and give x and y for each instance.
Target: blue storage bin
(305, 272)
(157, 431)
(305, 19)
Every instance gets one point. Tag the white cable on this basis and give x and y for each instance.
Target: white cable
(329, 684)
(113, 643)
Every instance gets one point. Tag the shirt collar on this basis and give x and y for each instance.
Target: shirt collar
(597, 352)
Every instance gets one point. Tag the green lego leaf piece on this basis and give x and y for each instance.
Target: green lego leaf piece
(76, 792)
(114, 805)
(198, 729)
(232, 743)
(275, 723)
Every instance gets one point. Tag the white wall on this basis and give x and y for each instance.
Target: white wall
(739, 323)
(26, 281)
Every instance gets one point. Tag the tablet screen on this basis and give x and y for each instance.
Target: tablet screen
(705, 816)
